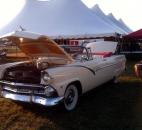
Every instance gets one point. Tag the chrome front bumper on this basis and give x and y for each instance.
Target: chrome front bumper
(29, 97)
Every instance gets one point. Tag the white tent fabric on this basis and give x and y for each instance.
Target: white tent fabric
(58, 18)
(96, 9)
(125, 26)
(115, 21)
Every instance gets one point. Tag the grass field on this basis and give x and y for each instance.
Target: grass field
(115, 107)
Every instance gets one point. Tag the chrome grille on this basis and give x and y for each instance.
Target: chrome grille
(23, 88)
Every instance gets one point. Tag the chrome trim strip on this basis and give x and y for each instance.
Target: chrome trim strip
(32, 98)
(91, 70)
(21, 84)
(15, 90)
(85, 67)
(21, 88)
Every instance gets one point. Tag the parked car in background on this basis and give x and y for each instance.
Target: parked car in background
(138, 69)
(51, 75)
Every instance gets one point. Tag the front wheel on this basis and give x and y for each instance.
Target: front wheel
(70, 97)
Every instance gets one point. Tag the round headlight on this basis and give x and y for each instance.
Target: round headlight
(46, 77)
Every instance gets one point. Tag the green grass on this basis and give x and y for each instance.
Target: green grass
(111, 106)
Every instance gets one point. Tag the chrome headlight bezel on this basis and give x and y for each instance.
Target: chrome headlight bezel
(46, 77)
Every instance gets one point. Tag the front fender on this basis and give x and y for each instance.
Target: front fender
(61, 86)
(61, 78)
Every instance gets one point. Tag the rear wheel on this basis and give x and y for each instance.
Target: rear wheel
(70, 97)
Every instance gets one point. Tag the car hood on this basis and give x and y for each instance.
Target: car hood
(36, 45)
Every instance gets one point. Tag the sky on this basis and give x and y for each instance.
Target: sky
(128, 10)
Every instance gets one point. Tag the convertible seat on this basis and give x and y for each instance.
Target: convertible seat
(103, 54)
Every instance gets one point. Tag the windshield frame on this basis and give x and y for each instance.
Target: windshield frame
(86, 54)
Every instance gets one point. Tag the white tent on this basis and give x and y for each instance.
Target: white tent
(115, 21)
(125, 26)
(59, 18)
(96, 9)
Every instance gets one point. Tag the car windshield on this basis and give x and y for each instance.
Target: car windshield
(77, 52)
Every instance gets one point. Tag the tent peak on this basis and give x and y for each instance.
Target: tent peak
(111, 15)
(62, 18)
(120, 20)
(125, 25)
(96, 6)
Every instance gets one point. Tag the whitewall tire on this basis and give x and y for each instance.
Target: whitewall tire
(70, 97)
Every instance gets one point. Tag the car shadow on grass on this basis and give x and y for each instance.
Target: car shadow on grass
(106, 107)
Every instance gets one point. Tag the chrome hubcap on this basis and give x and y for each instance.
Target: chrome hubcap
(70, 97)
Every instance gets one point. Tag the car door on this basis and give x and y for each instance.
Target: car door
(102, 70)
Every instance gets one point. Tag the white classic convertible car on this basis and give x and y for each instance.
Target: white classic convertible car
(51, 75)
